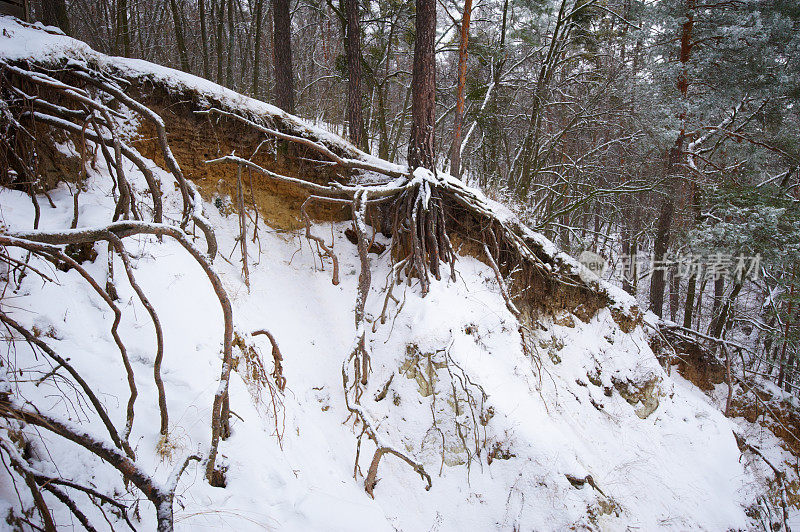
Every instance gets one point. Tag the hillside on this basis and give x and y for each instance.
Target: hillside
(547, 412)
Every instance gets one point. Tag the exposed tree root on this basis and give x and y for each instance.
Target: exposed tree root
(382, 447)
(254, 375)
(59, 116)
(53, 252)
(162, 397)
(82, 112)
(327, 251)
(242, 227)
(344, 162)
(277, 358)
(219, 424)
(420, 244)
(49, 483)
(780, 477)
(160, 496)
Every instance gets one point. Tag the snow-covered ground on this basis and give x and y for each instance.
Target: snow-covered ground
(678, 468)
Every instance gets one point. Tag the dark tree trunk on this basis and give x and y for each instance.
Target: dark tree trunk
(662, 240)
(725, 310)
(352, 43)
(123, 43)
(630, 247)
(179, 40)
(257, 48)
(400, 125)
(284, 85)
(383, 90)
(691, 287)
(719, 292)
(136, 20)
(698, 307)
(674, 293)
(204, 38)
(383, 128)
(220, 38)
(423, 84)
(458, 121)
(629, 264)
(54, 13)
(231, 58)
(790, 372)
(668, 205)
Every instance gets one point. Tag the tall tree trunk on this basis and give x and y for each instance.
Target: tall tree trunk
(179, 40)
(201, 4)
(136, 19)
(662, 241)
(725, 310)
(401, 122)
(352, 43)
(269, 37)
(668, 204)
(716, 307)
(629, 246)
(530, 145)
(698, 307)
(383, 129)
(220, 39)
(123, 40)
(674, 292)
(231, 38)
(423, 85)
(691, 287)
(488, 107)
(630, 250)
(458, 121)
(54, 13)
(284, 83)
(384, 135)
(257, 48)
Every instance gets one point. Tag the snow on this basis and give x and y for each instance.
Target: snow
(558, 411)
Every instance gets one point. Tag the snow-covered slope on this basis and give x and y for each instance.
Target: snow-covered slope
(585, 430)
(679, 467)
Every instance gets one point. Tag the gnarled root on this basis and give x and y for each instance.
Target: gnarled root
(418, 230)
